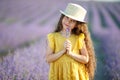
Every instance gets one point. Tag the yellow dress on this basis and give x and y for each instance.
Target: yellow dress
(66, 68)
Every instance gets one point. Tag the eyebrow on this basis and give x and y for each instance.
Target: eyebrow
(70, 18)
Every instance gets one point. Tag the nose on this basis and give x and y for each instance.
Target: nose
(68, 21)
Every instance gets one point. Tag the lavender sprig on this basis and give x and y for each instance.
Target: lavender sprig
(67, 32)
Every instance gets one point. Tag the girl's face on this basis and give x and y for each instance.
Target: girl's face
(68, 23)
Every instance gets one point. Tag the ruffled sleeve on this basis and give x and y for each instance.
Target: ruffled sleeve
(51, 41)
(80, 42)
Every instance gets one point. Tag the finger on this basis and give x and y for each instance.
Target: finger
(68, 41)
(65, 45)
(69, 45)
(68, 49)
(65, 42)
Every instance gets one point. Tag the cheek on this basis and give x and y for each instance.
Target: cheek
(73, 25)
(63, 21)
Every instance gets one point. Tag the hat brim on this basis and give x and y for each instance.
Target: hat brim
(71, 16)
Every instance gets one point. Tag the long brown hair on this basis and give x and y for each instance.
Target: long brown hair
(91, 65)
(81, 27)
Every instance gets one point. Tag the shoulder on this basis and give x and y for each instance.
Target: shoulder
(49, 34)
(81, 36)
(52, 35)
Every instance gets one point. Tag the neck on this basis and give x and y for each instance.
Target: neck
(65, 33)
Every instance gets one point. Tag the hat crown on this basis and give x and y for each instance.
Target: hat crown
(75, 11)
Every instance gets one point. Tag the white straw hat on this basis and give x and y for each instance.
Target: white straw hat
(75, 12)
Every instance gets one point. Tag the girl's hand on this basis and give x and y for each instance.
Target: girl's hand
(63, 51)
(68, 46)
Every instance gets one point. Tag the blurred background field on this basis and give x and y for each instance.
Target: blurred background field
(24, 25)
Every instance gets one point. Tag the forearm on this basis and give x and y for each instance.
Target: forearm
(55, 56)
(80, 58)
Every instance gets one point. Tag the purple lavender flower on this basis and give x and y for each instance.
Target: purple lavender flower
(67, 32)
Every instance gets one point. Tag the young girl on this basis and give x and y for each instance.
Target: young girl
(70, 51)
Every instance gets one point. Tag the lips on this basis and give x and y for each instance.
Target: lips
(66, 25)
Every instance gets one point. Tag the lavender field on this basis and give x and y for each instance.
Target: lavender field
(24, 25)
